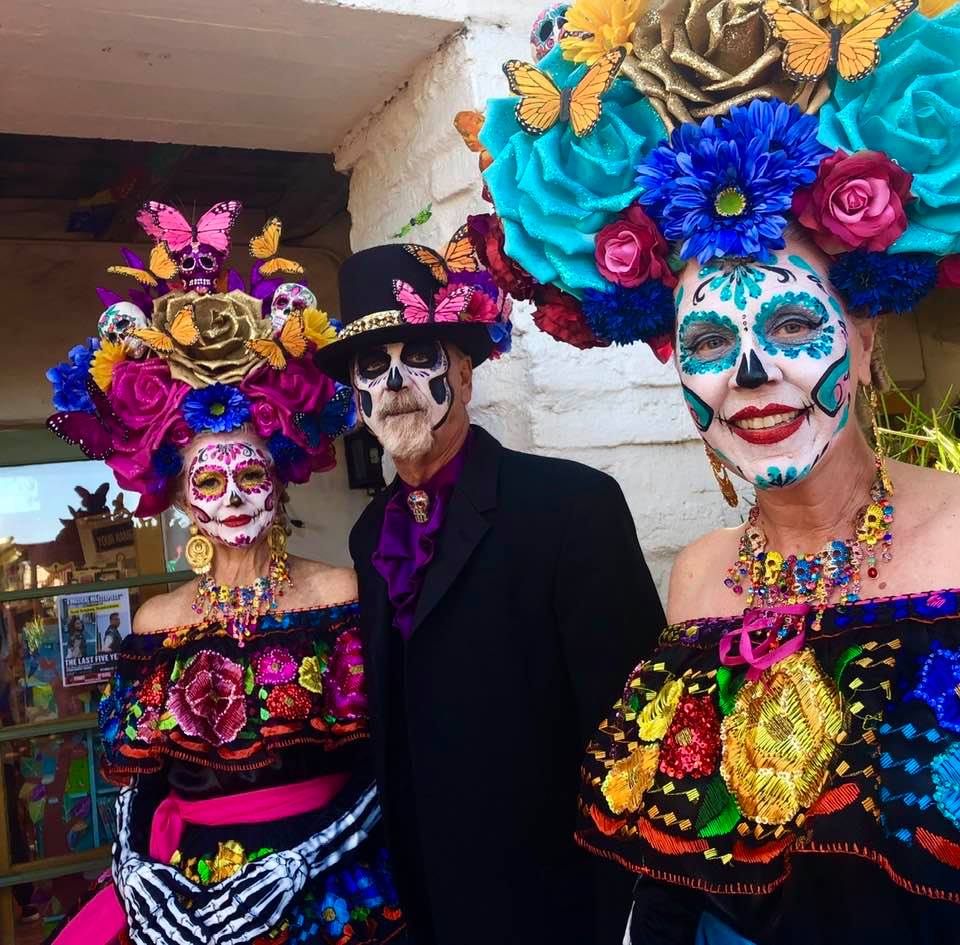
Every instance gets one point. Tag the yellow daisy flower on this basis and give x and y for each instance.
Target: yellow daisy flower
(594, 27)
(104, 361)
(317, 327)
(844, 12)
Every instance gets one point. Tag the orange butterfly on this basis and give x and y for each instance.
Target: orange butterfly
(183, 331)
(161, 266)
(470, 124)
(457, 257)
(291, 342)
(266, 245)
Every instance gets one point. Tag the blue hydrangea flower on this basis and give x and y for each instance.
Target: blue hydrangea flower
(334, 913)
(623, 315)
(218, 408)
(69, 378)
(883, 282)
(937, 686)
(167, 461)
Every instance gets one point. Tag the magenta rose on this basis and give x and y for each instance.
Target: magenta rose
(856, 202)
(147, 401)
(344, 693)
(948, 272)
(632, 250)
(277, 396)
(208, 700)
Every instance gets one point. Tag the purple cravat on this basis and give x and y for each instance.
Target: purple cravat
(406, 546)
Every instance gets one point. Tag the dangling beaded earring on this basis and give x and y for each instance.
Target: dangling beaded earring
(723, 478)
(199, 552)
(878, 441)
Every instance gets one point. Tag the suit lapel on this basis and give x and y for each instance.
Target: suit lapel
(465, 523)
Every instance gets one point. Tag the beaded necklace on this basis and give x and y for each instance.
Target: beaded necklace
(769, 579)
(239, 608)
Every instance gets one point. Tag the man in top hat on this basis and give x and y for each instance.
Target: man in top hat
(503, 599)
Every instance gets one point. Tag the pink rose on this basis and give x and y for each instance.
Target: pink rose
(345, 695)
(632, 250)
(208, 700)
(276, 396)
(856, 202)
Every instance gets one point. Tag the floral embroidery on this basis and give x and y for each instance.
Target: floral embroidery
(656, 716)
(335, 913)
(939, 686)
(274, 665)
(289, 701)
(229, 859)
(208, 698)
(691, 747)
(629, 779)
(780, 738)
(153, 691)
(945, 771)
(310, 675)
(148, 728)
(345, 695)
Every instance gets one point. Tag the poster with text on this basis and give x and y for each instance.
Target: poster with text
(92, 627)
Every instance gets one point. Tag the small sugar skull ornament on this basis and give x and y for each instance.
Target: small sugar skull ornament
(547, 29)
(118, 321)
(288, 299)
(199, 267)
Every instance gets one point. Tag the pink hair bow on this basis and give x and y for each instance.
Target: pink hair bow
(773, 647)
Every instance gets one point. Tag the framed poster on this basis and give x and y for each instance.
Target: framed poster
(92, 627)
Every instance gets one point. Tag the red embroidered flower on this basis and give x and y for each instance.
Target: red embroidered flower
(691, 747)
(289, 701)
(856, 202)
(208, 699)
(561, 317)
(154, 688)
(345, 695)
(274, 665)
(486, 234)
(631, 250)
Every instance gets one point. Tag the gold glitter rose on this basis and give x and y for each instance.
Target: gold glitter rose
(780, 738)
(217, 352)
(695, 58)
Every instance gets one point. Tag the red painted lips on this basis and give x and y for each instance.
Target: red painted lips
(766, 425)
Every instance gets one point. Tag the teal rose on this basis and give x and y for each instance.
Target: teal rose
(909, 108)
(555, 192)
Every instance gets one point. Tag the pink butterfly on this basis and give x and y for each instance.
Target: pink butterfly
(417, 312)
(94, 433)
(168, 225)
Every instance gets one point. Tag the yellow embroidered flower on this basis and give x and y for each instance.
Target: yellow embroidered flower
(655, 717)
(630, 778)
(597, 26)
(310, 676)
(844, 12)
(317, 327)
(780, 738)
(104, 361)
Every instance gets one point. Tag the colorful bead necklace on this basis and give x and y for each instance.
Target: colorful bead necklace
(239, 608)
(770, 579)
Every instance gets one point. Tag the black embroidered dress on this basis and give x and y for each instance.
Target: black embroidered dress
(192, 712)
(817, 801)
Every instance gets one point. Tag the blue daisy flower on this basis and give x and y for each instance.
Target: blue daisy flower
(69, 378)
(218, 408)
(883, 282)
(624, 315)
(334, 913)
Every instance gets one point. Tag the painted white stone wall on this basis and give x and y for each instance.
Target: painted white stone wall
(616, 409)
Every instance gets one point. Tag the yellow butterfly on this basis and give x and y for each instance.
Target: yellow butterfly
(183, 331)
(469, 124)
(457, 257)
(280, 265)
(161, 266)
(542, 103)
(266, 245)
(810, 48)
(291, 342)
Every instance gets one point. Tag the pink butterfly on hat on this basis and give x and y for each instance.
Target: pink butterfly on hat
(168, 225)
(418, 312)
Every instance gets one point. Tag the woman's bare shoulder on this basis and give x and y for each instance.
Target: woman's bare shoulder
(173, 609)
(319, 584)
(698, 573)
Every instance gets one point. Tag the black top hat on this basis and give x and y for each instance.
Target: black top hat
(372, 316)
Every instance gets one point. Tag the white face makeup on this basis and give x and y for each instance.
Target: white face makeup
(231, 491)
(404, 394)
(763, 353)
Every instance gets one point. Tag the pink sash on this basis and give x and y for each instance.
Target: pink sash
(101, 920)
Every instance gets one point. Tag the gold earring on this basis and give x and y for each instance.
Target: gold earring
(723, 478)
(277, 540)
(199, 552)
(878, 446)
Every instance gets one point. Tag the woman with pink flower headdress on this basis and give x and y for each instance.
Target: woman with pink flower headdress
(763, 182)
(201, 392)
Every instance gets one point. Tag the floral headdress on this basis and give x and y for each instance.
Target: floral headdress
(656, 133)
(196, 349)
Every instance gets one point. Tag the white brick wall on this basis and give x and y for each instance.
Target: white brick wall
(616, 409)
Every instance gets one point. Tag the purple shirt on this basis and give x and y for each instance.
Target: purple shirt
(406, 546)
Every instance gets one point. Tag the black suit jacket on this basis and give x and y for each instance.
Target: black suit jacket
(534, 609)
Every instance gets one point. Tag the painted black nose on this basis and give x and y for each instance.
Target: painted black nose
(235, 500)
(751, 373)
(394, 379)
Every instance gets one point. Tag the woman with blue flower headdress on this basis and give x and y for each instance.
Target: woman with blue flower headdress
(785, 767)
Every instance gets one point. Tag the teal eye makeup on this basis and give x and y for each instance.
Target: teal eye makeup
(709, 343)
(795, 323)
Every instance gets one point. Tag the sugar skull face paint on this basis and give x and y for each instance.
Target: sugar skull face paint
(232, 491)
(404, 394)
(764, 357)
(290, 298)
